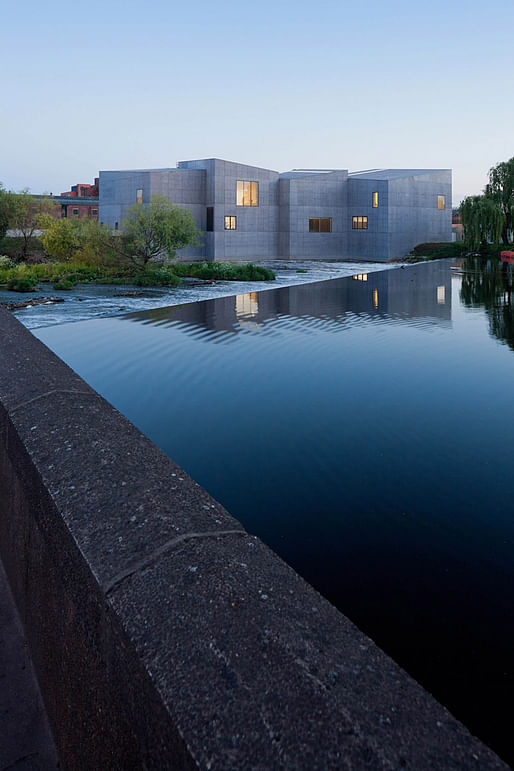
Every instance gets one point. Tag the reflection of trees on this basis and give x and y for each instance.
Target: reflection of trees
(489, 285)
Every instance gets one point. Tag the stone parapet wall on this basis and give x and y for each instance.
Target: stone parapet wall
(163, 634)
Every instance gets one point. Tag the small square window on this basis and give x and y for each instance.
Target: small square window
(230, 223)
(359, 223)
(75, 212)
(441, 202)
(94, 212)
(374, 200)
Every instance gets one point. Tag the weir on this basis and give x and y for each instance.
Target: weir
(162, 633)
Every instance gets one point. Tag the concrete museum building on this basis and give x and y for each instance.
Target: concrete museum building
(251, 213)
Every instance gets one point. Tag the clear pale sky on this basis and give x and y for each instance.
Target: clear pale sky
(336, 84)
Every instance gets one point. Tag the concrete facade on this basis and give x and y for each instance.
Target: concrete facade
(398, 208)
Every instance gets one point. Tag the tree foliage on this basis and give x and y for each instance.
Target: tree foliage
(5, 210)
(76, 240)
(155, 230)
(490, 217)
(500, 189)
(483, 220)
(26, 214)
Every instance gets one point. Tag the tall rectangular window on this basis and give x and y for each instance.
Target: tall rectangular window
(320, 224)
(209, 219)
(374, 200)
(247, 193)
(441, 202)
(139, 195)
(230, 223)
(359, 223)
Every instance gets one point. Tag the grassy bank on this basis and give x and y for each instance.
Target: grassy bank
(64, 276)
(435, 251)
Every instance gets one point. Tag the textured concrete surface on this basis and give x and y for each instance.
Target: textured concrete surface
(406, 215)
(163, 634)
(26, 743)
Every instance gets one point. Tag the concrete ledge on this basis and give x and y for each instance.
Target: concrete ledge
(165, 636)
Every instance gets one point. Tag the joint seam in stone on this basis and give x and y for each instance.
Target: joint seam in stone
(108, 586)
(49, 393)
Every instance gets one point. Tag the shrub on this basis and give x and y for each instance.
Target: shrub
(161, 277)
(21, 285)
(224, 271)
(64, 284)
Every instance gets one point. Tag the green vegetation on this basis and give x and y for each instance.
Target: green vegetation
(21, 285)
(83, 251)
(489, 217)
(155, 230)
(224, 271)
(435, 251)
(66, 275)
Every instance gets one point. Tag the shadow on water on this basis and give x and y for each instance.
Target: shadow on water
(489, 284)
(358, 427)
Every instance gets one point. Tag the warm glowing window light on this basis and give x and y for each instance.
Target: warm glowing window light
(247, 193)
(139, 195)
(375, 298)
(359, 223)
(441, 295)
(441, 202)
(374, 200)
(230, 223)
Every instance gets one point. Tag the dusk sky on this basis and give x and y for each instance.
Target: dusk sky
(113, 85)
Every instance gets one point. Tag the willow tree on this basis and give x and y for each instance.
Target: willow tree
(500, 189)
(483, 220)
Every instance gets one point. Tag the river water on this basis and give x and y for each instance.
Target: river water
(362, 427)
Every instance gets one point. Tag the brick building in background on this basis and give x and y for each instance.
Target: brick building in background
(80, 201)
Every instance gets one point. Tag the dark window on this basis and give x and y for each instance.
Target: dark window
(320, 224)
(75, 212)
(359, 223)
(64, 211)
(95, 212)
(230, 223)
(247, 193)
(115, 226)
(374, 200)
(209, 225)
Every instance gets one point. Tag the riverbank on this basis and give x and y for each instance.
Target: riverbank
(87, 301)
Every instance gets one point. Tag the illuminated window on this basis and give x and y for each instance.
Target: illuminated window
(360, 277)
(375, 298)
(230, 223)
(374, 200)
(441, 202)
(139, 195)
(320, 225)
(441, 295)
(247, 193)
(359, 223)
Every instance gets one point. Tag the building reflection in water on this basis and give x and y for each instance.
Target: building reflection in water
(407, 295)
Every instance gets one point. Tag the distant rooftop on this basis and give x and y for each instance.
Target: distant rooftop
(390, 173)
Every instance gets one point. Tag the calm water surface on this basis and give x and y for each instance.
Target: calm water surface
(362, 427)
